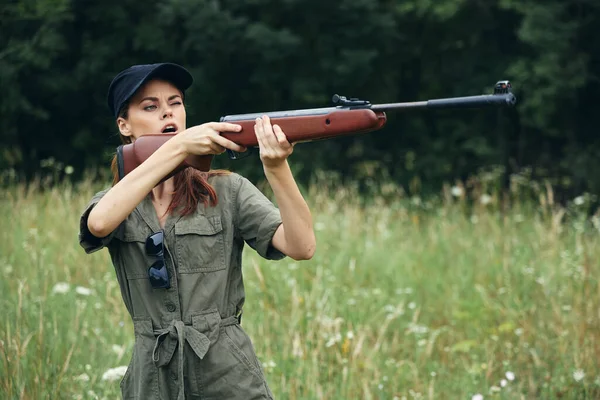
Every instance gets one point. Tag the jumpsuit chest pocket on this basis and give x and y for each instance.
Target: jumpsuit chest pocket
(133, 256)
(200, 244)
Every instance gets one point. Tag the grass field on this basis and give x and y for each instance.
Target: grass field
(448, 298)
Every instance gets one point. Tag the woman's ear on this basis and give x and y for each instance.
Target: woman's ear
(124, 126)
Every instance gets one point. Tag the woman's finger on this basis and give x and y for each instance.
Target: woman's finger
(260, 133)
(269, 134)
(281, 138)
(224, 126)
(218, 149)
(228, 144)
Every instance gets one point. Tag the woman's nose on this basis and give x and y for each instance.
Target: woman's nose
(168, 113)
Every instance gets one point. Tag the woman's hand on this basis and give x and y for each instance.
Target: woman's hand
(272, 142)
(206, 139)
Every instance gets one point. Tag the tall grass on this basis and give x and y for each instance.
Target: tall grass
(406, 298)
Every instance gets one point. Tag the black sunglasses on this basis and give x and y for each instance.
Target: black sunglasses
(157, 273)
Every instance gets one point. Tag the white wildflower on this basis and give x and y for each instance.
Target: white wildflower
(297, 347)
(404, 291)
(519, 331)
(541, 280)
(417, 329)
(510, 376)
(83, 377)
(69, 170)
(350, 335)
(388, 308)
(319, 226)
(477, 397)
(334, 339)
(83, 291)
(113, 374)
(269, 365)
(485, 199)
(118, 349)
(422, 342)
(61, 287)
(494, 389)
(578, 375)
(579, 200)
(329, 323)
(457, 191)
(412, 305)
(503, 382)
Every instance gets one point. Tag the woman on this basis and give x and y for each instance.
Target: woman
(177, 245)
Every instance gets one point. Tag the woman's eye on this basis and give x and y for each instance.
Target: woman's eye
(150, 108)
(176, 103)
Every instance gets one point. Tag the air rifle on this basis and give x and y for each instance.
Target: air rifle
(349, 116)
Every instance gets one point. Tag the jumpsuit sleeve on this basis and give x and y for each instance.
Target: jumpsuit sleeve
(89, 242)
(257, 219)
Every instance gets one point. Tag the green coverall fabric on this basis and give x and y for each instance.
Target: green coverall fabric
(188, 340)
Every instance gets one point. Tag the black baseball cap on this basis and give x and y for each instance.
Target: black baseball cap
(127, 82)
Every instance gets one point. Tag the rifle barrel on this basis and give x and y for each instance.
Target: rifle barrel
(504, 99)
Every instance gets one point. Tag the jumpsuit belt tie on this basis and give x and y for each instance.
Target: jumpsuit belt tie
(176, 334)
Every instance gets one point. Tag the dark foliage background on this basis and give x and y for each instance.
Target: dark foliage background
(57, 58)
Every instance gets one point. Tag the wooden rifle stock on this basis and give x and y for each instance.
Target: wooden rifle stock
(302, 128)
(349, 117)
(130, 156)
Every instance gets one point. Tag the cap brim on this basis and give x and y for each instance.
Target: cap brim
(176, 74)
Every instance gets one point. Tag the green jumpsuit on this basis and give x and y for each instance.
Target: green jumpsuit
(188, 340)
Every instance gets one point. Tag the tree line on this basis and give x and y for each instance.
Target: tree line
(57, 58)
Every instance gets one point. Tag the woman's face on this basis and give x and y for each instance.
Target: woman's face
(157, 107)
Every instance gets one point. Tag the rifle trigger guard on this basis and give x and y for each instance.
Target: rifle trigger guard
(233, 155)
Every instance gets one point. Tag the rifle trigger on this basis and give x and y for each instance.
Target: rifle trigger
(233, 155)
